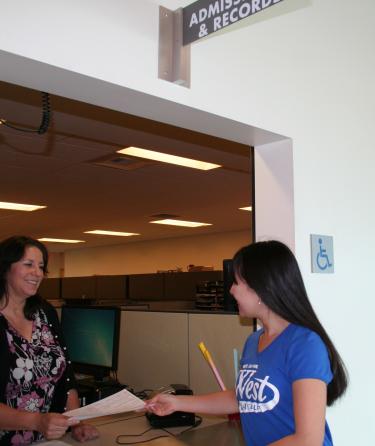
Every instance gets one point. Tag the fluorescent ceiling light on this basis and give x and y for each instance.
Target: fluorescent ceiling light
(119, 234)
(19, 206)
(246, 208)
(59, 240)
(189, 224)
(165, 158)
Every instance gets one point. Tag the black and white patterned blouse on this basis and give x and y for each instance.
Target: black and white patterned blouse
(35, 368)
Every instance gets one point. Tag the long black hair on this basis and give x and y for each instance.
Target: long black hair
(271, 270)
(11, 251)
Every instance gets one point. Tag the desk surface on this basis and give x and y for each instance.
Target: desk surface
(213, 430)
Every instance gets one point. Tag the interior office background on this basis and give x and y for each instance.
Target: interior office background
(302, 69)
(149, 256)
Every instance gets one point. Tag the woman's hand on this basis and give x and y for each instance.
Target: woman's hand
(218, 403)
(162, 404)
(83, 432)
(53, 425)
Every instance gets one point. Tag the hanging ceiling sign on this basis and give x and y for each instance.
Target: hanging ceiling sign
(205, 17)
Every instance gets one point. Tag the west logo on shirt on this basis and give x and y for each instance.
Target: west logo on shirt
(255, 394)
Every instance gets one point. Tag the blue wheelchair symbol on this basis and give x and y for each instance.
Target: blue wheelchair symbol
(322, 259)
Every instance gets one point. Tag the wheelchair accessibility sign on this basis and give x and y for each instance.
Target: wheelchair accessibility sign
(322, 254)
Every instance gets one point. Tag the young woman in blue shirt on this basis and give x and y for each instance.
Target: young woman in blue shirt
(290, 369)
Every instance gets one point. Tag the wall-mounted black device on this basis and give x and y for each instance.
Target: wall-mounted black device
(177, 418)
(230, 303)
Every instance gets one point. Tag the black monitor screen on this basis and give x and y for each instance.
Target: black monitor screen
(92, 338)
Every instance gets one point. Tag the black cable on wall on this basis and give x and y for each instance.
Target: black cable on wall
(44, 124)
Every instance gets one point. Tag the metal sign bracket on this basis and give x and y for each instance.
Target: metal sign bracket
(174, 58)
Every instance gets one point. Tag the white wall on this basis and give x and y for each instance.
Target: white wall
(148, 257)
(304, 69)
(274, 192)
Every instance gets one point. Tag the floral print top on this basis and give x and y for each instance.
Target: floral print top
(36, 367)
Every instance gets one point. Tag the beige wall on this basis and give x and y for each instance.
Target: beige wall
(148, 257)
(150, 361)
(56, 264)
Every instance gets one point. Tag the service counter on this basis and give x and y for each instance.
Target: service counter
(126, 429)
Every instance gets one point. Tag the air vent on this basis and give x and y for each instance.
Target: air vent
(164, 216)
(122, 162)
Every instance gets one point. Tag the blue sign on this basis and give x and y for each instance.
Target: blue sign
(322, 254)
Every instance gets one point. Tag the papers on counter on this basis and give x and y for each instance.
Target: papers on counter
(122, 401)
(52, 443)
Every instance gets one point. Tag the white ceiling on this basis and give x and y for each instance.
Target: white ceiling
(60, 170)
(173, 4)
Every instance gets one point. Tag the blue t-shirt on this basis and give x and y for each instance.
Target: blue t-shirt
(264, 384)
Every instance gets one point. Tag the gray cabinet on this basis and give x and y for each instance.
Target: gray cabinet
(146, 287)
(95, 288)
(129, 288)
(182, 286)
(78, 288)
(168, 286)
(50, 288)
(111, 288)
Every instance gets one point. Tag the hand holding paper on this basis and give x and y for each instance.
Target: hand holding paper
(122, 401)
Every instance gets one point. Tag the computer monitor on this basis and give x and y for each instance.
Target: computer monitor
(92, 338)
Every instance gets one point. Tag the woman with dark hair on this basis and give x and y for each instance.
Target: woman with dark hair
(36, 379)
(290, 370)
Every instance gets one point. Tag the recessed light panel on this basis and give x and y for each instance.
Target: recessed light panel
(59, 240)
(188, 224)
(165, 158)
(118, 234)
(20, 207)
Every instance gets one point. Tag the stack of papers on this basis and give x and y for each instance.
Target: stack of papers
(52, 443)
(122, 401)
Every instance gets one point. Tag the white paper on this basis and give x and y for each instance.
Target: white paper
(52, 443)
(122, 401)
